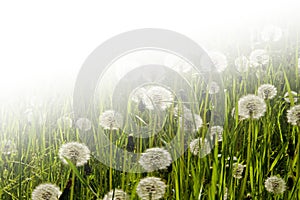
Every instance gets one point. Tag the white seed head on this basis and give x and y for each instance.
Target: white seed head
(267, 91)
(46, 191)
(111, 119)
(293, 96)
(151, 188)
(219, 60)
(213, 88)
(237, 171)
(293, 115)
(84, 124)
(158, 97)
(199, 147)
(259, 57)
(251, 106)
(117, 194)
(242, 63)
(190, 122)
(217, 131)
(275, 185)
(76, 152)
(155, 159)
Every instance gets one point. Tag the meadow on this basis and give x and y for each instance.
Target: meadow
(259, 138)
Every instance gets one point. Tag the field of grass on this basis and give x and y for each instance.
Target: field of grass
(31, 137)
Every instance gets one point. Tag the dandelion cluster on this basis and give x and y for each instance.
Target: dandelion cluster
(151, 188)
(275, 185)
(46, 191)
(76, 152)
(155, 159)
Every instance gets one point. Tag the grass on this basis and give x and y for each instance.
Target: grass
(267, 146)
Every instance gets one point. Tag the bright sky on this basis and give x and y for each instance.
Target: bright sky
(44, 43)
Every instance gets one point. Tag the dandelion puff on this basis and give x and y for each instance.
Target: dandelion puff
(76, 152)
(65, 122)
(217, 131)
(158, 97)
(213, 88)
(46, 191)
(111, 119)
(242, 63)
(83, 124)
(287, 97)
(251, 106)
(190, 122)
(151, 188)
(180, 111)
(155, 159)
(267, 91)
(271, 33)
(238, 170)
(197, 147)
(233, 115)
(219, 60)
(138, 95)
(275, 185)
(259, 57)
(8, 147)
(293, 115)
(117, 194)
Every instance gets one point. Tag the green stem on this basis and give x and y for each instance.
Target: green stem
(73, 185)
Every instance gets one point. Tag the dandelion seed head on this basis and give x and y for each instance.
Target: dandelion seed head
(242, 63)
(158, 97)
(267, 91)
(111, 119)
(117, 194)
(271, 33)
(237, 171)
(251, 106)
(84, 124)
(219, 60)
(294, 96)
(155, 159)
(46, 191)
(76, 152)
(259, 57)
(275, 185)
(293, 115)
(199, 147)
(151, 188)
(217, 131)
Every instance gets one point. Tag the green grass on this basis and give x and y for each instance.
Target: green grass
(268, 146)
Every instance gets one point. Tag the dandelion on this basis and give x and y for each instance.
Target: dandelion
(293, 115)
(111, 119)
(177, 64)
(8, 147)
(213, 88)
(251, 106)
(65, 122)
(190, 122)
(259, 57)
(242, 63)
(139, 95)
(267, 91)
(151, 188)
(197, 147)
(271, 33)
(293, 95)
(84, 124)
(238, 170)
(217, 131)
(180, 111)
(219, 60)
(155, 159)
(233, 115)
(46, 191)
(158, 97)
(117, 194)
(275, 185)
(76, 152)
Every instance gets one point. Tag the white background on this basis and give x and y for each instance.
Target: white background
(44, 43)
